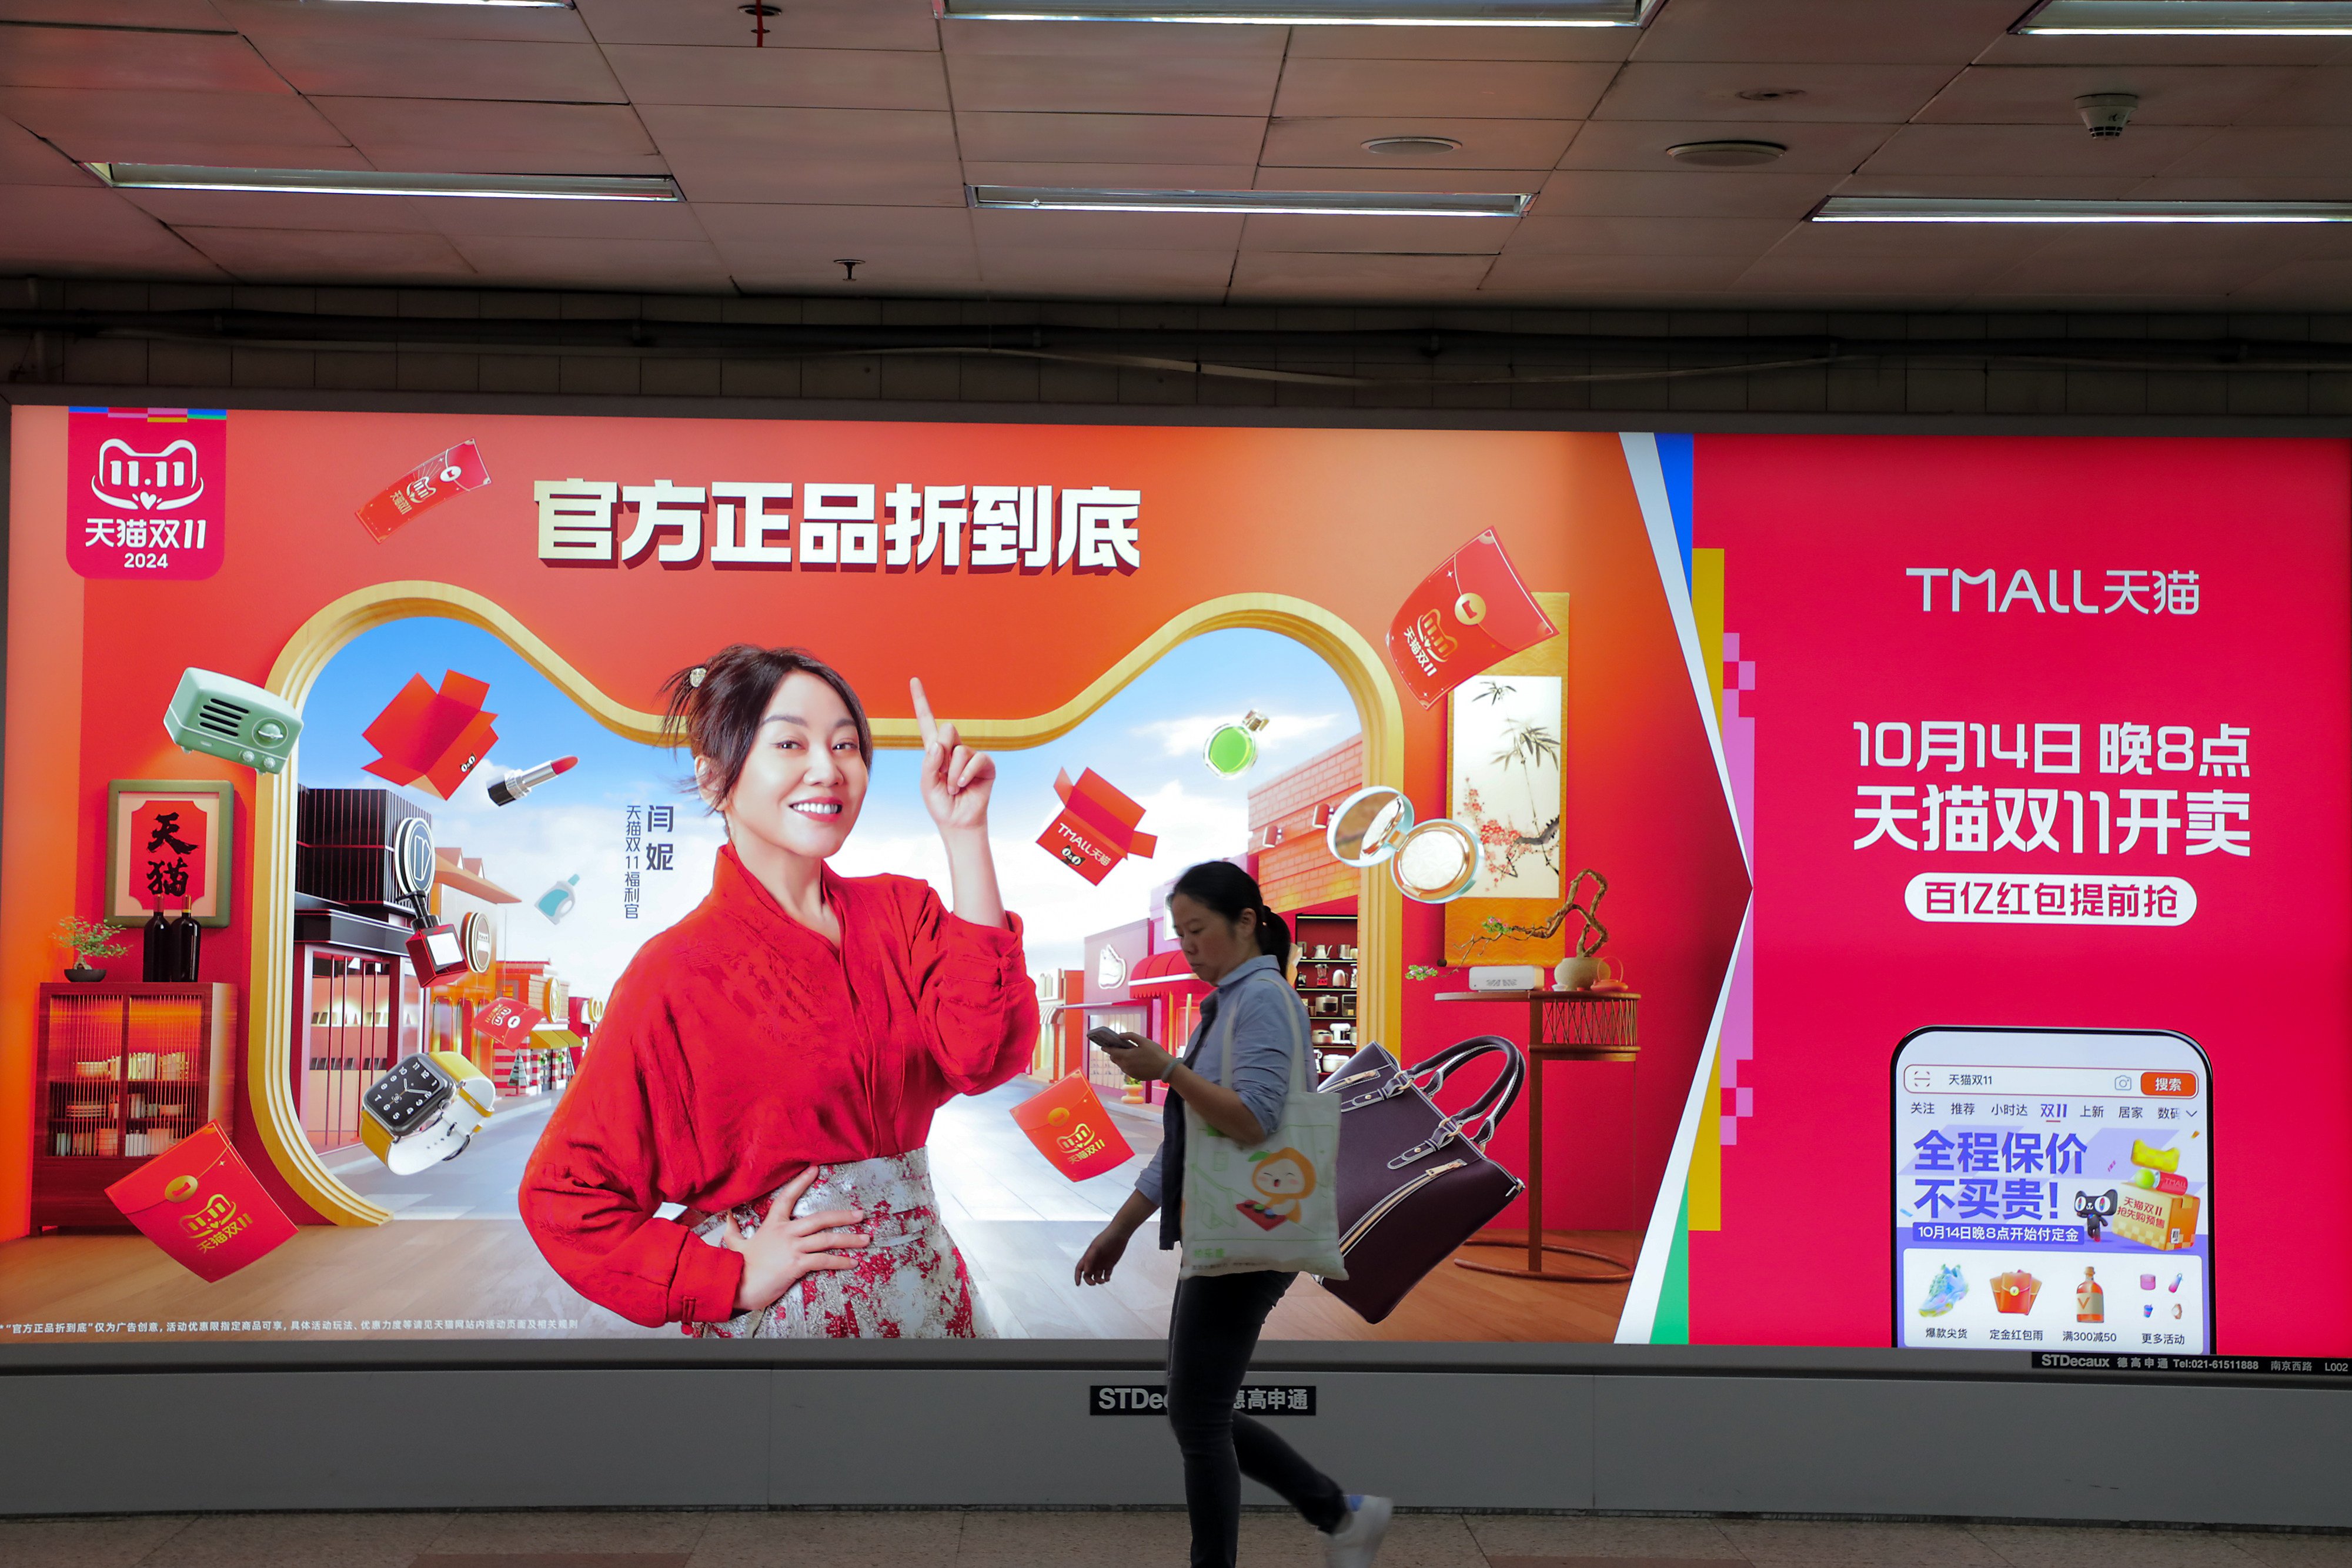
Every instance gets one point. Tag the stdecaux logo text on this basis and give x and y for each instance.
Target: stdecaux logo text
(2055, 591)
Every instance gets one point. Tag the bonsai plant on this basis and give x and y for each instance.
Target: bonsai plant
(88, 939)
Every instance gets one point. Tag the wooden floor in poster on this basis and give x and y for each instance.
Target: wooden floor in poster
(458, 1257)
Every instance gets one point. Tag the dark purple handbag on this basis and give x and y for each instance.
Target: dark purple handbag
(1415, 1183)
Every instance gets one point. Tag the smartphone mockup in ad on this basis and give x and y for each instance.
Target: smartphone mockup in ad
(2053, 1189)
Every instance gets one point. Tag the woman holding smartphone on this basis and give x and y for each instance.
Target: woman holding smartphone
(771, 1062)
(1234, 943)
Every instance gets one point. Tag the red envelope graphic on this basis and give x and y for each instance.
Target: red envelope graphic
(1071, 1129)
(1463, 617)
(201, 1203)
(1097, 828)
(167, 854)
(507, 1023)
(433, 739)
(427, 485)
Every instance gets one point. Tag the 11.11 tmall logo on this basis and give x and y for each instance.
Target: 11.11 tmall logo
(145, 489)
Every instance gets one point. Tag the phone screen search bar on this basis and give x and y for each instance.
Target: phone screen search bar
(2096, 1083)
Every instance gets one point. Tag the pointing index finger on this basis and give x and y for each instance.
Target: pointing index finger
(923, 720)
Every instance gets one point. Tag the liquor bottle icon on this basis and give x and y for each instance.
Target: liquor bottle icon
(2090, 1301)
(560, 900)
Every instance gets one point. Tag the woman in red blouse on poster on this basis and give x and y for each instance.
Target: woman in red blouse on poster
(771, 1061)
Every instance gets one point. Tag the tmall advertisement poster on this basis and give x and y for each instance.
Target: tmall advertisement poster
(1899, 884)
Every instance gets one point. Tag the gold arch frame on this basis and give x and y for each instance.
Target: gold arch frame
(268, 1039)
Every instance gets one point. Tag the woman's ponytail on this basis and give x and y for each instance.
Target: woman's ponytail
(1274, 937)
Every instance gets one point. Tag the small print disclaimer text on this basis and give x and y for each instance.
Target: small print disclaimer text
(1151, 1399)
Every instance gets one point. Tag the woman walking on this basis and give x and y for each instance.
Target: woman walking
(1234, 943)
(773, 1061)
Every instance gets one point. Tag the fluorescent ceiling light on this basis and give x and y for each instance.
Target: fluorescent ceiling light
(380, 182)
(1316, 13)
(1346, 203)
(526, 4)
(2190, 18)
(2022, 210)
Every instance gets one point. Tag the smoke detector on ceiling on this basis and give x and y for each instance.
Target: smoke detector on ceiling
(2106, 113)
(1726, 154)
(1410, 146)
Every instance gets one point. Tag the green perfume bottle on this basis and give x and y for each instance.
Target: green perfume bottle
(1232, 750)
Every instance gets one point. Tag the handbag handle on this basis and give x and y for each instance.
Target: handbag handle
(1496, 1102)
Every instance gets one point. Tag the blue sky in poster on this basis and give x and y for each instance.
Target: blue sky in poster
(1146, 741)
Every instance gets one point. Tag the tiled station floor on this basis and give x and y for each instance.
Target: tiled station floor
(1138, 1539)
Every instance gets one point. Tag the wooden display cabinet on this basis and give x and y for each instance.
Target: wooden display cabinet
(1329, 1004)
(124, 1071)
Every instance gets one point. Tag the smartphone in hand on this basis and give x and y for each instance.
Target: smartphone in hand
(1106, 1036)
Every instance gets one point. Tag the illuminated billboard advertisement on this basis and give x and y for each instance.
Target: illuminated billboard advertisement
(1899, 860)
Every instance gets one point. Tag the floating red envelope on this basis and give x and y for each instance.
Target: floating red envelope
(1097, 828)
(433, 739)
(427, 485)
(507, 1023)
(1466, 614)
(1070, 1127)
(201, 1203)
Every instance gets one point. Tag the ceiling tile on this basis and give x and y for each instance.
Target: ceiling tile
(481, 67)
(1420, 236)
(1640, 144)
(1486, 89)
(1145, 83)
(1682, 194)
(865, 230)
(289, 210)
(305, 255)
(691, 266)
(562, 220)
(2239, 187)
(1110, 273)
(1485, 144)
(2046, 150)
(2299, 286)
(1901, 242)
(2171, 94)
(1326, 275)
(1950, 32)
(344, 23)
(2058, 187)
(2286, 152)
(172, 127)
(192, 16)
(850, 156)
(2115, 272)
(798, 79)
(1114, 176)
(575, 137)
(802, 25)
(2012, 49)
(1514, 181)
(1110, 138)
(123, 61)
(2318, 97)
(89, 233)
(27, 160)
(1875, 93)
(1461, 43)
(1107, 231)
(1628, 236)
(967, 38)
(913, 269)
(1924, 281)
(1592, 277)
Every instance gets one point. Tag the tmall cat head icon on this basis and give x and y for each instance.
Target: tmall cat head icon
(136, 481)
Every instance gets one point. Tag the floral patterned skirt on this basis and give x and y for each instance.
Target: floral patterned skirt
(909, 1282)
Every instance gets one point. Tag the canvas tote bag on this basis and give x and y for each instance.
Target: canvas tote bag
(1275, 1204)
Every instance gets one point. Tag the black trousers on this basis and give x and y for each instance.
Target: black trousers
(1211, 1333)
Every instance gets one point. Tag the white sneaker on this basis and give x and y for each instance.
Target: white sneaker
(1355, 1542)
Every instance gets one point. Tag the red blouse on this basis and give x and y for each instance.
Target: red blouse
(741, 1048)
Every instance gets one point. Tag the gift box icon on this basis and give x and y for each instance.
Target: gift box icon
(200, 1202)
(1071, 1129)
(433, 739)
(1097, 828)
(2014, 1291)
